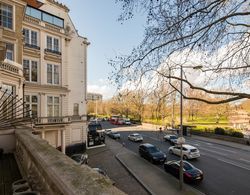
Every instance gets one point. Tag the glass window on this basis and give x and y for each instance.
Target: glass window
(58, 22)
(33, 38)
(31, 103)
(53, 106)
(56, 44)
(48, 18)
(56, 75)
(49, 73)
(33, 12)
(6, 15)
(49, 42)
(26, 36)
(34, 71)
(30, 70)
(10, 51)
(76, 109)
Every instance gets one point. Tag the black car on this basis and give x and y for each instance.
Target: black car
(152, 153)
(190, 172)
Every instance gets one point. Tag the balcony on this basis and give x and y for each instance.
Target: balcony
(11, 67)
(47, 170)
(59, 120)
(52, 51)
(32, 46)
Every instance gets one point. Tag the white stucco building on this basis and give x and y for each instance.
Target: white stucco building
(55, 68)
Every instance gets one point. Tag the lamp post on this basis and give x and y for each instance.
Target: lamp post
(181, 139)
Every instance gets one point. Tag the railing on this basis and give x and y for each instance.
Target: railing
(30, 19)
(49, 171)
(9, 67)
(32, 46)
(59, 120)
(53, 51)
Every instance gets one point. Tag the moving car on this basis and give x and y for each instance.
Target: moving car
(136, 137)
(152, 153)
(80, 158)
(114, 135)
(190, 172)
(188, 151)
(108, 131)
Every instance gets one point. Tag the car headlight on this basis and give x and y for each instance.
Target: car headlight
(165, 156)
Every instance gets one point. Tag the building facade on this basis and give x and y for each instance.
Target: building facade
(44, 61)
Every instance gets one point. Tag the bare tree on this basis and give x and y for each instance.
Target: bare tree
(213, 34)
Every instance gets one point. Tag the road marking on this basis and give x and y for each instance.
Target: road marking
(232, 163)
(242, 159)
(212, 151)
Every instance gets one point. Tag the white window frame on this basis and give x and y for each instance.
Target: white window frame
(13, 15)
(12, 51)
(53, 43)
(30, 70)
(53, 74)
(53, 104)
(30, 103)
(30, 37)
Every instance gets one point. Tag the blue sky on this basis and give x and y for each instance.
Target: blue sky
(97, 20)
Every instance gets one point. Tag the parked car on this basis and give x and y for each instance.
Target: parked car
(188, 151)
(80, 158)
(136, 137)
(108, 131)
(127, 122)
(190, 172)
(114, 135)
(152, 153)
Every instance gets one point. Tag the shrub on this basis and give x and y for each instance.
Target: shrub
(219, 131)
(237, 134)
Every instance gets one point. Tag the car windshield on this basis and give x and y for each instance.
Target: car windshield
(187, 166)
(153, 149)
(137, 135)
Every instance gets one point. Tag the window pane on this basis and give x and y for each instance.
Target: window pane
(76, 109)
(34, 99)
(34, 110)
(34, 71)
(27, 108)
(35, 13)
(10, 51)
(6, 16)
(26, 71)
(49, 42)
(26, 36)
(49, 73)
(33, 38)
(50, 110)
(56, 100)
(56, 74)
(56, 110)
(50, 100)
(47, 18)
(56, 44)
(58, 22)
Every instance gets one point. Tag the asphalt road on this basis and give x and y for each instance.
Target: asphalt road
(226, 169)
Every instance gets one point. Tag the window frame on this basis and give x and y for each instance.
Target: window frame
(7, 16)
(52, 46)
(30, 68)
(53, 72)
(54, 104)
(12, 51)
(30, 103)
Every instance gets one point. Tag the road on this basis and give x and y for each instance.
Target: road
(226, 169)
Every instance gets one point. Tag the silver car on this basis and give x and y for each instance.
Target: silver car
(136, 137)
(80, 158)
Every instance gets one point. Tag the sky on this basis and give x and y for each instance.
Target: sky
(98, 21)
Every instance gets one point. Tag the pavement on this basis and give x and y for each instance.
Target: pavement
(153, 179)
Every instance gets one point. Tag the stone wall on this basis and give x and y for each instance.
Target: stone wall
(51, 172)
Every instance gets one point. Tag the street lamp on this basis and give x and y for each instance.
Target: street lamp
(181, 139)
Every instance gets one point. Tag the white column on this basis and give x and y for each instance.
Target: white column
(63, 140)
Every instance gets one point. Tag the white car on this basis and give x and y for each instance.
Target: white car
(127, 122)
(170, 136)
(188, 151)
(108, 131)
(136, 137)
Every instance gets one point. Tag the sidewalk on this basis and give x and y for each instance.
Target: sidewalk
(222, 142)
(154, 179)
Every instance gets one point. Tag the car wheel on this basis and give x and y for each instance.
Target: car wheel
(171, 151)
(185, 157)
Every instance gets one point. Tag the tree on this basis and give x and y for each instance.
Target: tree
(213, 34)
